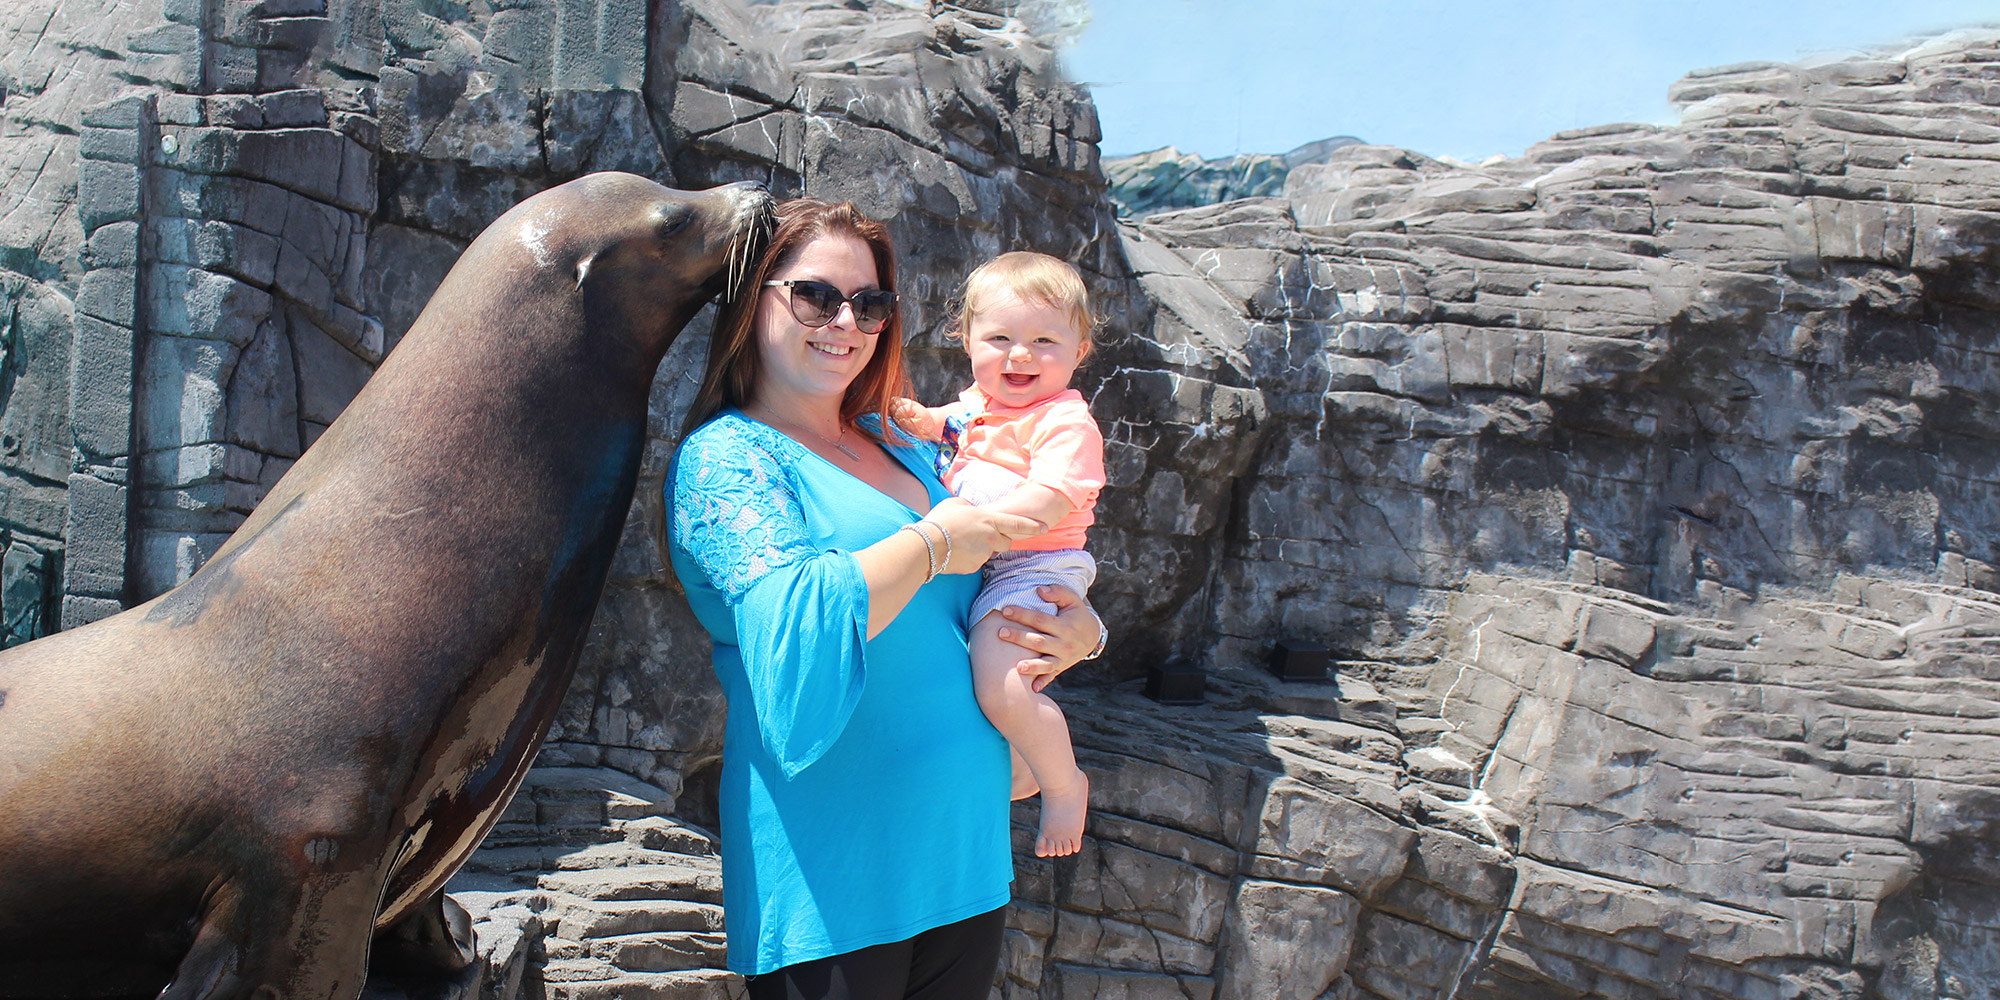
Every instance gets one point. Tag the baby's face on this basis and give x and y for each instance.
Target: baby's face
(1022, 352)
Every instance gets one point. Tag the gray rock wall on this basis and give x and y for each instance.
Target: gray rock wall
(1645, 483)
(1586, 793)
(48, 79)
(1691, 362)
(185, 247)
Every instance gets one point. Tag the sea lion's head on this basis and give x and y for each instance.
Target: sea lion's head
(641, 257)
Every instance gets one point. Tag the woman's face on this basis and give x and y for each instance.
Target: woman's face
(799, 360)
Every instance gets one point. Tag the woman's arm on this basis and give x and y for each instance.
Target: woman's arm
(1060, 640)
(795, 614)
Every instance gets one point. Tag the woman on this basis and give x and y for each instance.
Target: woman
(864, 796)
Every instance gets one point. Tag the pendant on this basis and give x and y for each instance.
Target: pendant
(845, 450)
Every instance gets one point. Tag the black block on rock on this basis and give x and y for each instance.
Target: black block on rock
(1176, 683)
(1299, 660)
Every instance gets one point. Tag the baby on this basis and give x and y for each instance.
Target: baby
(1021, 440)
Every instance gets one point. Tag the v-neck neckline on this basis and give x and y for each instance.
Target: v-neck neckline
(895, 453)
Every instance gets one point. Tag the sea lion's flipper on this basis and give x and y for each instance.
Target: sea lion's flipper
(279, 941)
(433, 941)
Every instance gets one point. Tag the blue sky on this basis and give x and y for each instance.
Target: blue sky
(1445, 77)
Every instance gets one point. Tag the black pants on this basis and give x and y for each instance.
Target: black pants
(953, 962)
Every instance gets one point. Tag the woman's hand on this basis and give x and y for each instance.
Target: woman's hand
(976, 533)
(1059, 639)
(896, 566)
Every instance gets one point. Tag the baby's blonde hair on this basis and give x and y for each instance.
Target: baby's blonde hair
(1032, 277)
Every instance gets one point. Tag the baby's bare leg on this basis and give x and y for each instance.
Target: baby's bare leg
(1034, 725)
(1022, 779)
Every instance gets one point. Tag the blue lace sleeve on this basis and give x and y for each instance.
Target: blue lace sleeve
(800, 613)
(734, 510)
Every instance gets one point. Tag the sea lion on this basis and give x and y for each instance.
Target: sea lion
(228, 791)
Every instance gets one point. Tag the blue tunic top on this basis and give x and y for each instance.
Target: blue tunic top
(864, 796)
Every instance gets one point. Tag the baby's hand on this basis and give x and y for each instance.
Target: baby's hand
(916, 418)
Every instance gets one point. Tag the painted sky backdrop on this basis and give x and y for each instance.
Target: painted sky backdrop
(1460, 78)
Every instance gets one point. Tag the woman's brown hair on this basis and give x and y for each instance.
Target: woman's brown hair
(732, 370)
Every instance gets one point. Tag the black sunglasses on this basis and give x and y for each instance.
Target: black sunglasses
(816, 303)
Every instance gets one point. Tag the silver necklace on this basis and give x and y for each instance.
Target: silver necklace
(837, 446)
(834, 444)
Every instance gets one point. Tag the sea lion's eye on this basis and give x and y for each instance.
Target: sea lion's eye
(673, 217)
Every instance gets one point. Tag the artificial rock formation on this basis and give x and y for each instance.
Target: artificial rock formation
(1649, 480)
(1643, 483)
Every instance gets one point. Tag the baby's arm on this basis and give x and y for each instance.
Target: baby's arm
(1043, 503)
(926, 422)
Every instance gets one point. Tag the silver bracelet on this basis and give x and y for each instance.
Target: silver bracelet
(1103, 637)
(947, 544)
(930, 551)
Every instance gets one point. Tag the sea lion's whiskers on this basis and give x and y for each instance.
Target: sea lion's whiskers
(734, 282)
(753, 228)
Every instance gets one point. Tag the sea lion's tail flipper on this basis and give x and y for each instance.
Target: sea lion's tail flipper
(433, 942)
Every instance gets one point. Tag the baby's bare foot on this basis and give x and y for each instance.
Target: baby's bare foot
(1063, 808)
